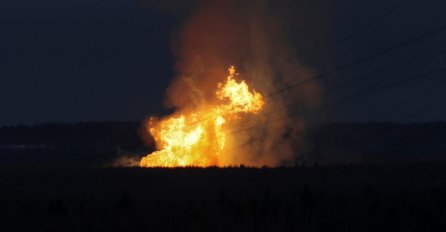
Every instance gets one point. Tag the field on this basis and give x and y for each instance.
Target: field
(409, 197)
(351, 177)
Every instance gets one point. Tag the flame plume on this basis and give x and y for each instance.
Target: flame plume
(191, 140)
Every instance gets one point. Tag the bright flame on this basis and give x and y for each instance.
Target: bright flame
(187, 140)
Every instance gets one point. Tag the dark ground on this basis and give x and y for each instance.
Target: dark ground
(354, 177)
(323, 198)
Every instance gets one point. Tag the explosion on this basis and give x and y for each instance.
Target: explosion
(222, 121)
(201, 137)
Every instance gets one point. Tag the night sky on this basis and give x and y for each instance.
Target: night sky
(95, 60)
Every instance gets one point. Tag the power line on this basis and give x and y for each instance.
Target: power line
(351, 64)
(359, 94)
(362, 60)
(356, 95)
(342, 67)
(399, 105)
(378, 70)
(362, 29)
(424, 109)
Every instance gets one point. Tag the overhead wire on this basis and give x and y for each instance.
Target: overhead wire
(355, 96)
(364, 28)
(293, 104)
(338, 69)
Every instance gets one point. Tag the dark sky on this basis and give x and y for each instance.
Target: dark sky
(75, 60)
(408, 19)
(82, 60)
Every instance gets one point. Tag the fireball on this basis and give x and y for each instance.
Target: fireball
(193, 140)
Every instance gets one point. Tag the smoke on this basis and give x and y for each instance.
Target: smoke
(254, 36)
(125, 161)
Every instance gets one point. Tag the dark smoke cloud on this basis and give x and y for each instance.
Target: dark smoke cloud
(263, 39)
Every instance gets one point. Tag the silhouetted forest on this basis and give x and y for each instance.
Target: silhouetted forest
(94, 135)
(350, 177)
(54, 144)
(323, 198)
(334, 143)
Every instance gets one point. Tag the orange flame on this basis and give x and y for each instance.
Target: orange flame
(188, 140)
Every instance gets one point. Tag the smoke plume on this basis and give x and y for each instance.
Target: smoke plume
(253, 36)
